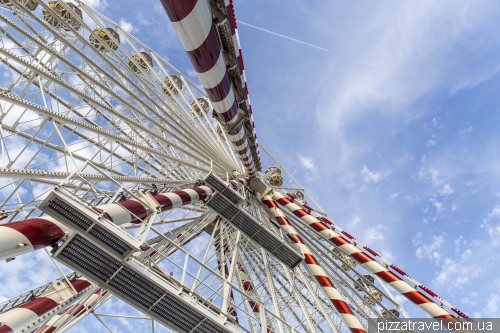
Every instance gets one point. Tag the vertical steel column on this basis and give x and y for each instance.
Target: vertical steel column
(192, 20)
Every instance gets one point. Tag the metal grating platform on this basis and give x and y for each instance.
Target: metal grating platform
(79, 218)
(140, 287)
(254, 230)
(100, 251)
(223, 188)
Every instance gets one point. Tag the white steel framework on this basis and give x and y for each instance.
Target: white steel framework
(89, 113)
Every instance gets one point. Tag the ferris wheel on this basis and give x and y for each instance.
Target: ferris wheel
(152, 190)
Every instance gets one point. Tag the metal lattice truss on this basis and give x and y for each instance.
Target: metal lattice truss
(114, 144)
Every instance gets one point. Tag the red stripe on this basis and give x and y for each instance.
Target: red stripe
(185, 197)
(398, 270)
(79, 285)
(295, 238)
(5, 329)
(201, 192)
(206, 55)
(220, 91)
(47, 329)
(341, 306)
(40, 232)
(239, 142)
(40, 305)
(373, 252)
(255, 307)
(357, 330)
(164, 202)
(74, 309)
(282, 220)
(361, 257)
(338, 240)
(178, 9)
(283, 201)
(228, 13)
(327, 221)
(135, 207)
(228, 115)
(417, 297)
(324, 281)
(310, 260)
(318, 226)
(388, 276)
(445, 316)
(430, 292)
(247, 286)
(299, 213)
(270, 203)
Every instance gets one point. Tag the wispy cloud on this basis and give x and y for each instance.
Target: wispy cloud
(428, 250)
(307, 163)
(373, 177)
(446, 190)
(126, 25)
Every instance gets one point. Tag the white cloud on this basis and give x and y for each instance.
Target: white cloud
(370, 176)
(430, 143)
(492, 230)
(126, 25)
(374, 234)
(434, 122)
(432, 175)
(493, 303)
(463, 132)
(97, 4)
(355, 221)
(467, 254)
(388, 255)
(447, 190)
(449, 268)
(394, 195)
(409, 50)
(428, 251)
(307, 162)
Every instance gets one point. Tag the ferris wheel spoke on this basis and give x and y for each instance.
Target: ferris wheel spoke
(145, 79)
(80, 73)
(283, 289)
(14, 99)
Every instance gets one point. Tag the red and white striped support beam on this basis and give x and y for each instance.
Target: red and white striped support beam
(241, 66)
(131, 211)
(314, 268)
(71, 313)
(17, 318)
(365, 260)
(250, 290)
(21, 237)
(192, 20)
(386, 262)
(239, 182)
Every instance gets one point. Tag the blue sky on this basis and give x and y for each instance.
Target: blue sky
(394, 131)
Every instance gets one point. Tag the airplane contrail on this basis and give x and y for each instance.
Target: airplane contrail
(290, 38)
